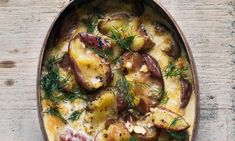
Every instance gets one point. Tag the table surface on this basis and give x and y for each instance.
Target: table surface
(209, 26)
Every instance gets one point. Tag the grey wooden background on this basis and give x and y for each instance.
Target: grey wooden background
(209, 26)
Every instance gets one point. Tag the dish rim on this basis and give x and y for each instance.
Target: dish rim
(184, 42)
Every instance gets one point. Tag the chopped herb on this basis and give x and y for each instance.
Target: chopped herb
(165, 98)
(51, 62)
(175, 120)
(183, 135)
(141, 85)
(117, 59)
(90, 24)
(172, 71)
(157, 92)
(133, 138)
(135, 112)
(123, 42)
(70, 96)
(52, 82)
(104, 53)
(75, 115)
(123, 87)
(55, 112)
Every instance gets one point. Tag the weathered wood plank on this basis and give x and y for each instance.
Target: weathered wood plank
(209, 26)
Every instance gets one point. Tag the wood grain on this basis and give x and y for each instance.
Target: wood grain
(209, 26)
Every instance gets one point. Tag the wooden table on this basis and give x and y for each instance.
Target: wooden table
(209, 26)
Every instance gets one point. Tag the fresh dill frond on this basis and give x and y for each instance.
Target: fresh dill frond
(173, 71)
(123, 87)
(90, 24)
(52, 61)
(174, 121)
(55, 112)
(71, 96)
(104, 53)
(165, 98)
(122, 42)
(140, 85)
(52, 82)
(183, 135)
(75, 115)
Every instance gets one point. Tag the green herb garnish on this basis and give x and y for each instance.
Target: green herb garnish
(183, 135)
(124, 87)
(73, 95)
(172, 71)
(52, 81)
(104, 53)
(90, 24)
(175, 120)
(123, 42)
(165, 98)
(75, 115)
(133, 138)
(55, 112)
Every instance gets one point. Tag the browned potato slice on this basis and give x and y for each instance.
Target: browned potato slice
(154, 68)
(144, 104)
(91, 71)
(164, 118)
(113, 21)
(131, 61)
(115, 132)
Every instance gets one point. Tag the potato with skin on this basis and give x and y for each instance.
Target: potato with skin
(116, 20)
(115, 132)
(127, 27)
(164, 118)
(91, 71)
(151, 135)
(186, 92)
(103, 108)
(174, 50)
(154, 68)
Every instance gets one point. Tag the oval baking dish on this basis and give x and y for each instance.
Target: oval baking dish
(117, 71)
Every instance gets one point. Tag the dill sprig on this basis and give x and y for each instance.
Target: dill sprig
(124, 87)
(55, 112)
(52, 81)
(71, 96)
(75, 115)
(183, 135)
(165, 98)
(172, 71)
(123, 42)
(104, 53)
(90, 23)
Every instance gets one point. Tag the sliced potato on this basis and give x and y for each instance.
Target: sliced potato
(116, 132)
(91, 71)
(102, 109)
(116, 20)
(164, 118)
(151, 135)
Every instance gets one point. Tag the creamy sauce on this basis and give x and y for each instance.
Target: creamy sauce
(55, 127)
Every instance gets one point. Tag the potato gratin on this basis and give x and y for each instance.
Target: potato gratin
(116, 72)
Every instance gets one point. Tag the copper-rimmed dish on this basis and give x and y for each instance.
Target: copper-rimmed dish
(153, 58)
